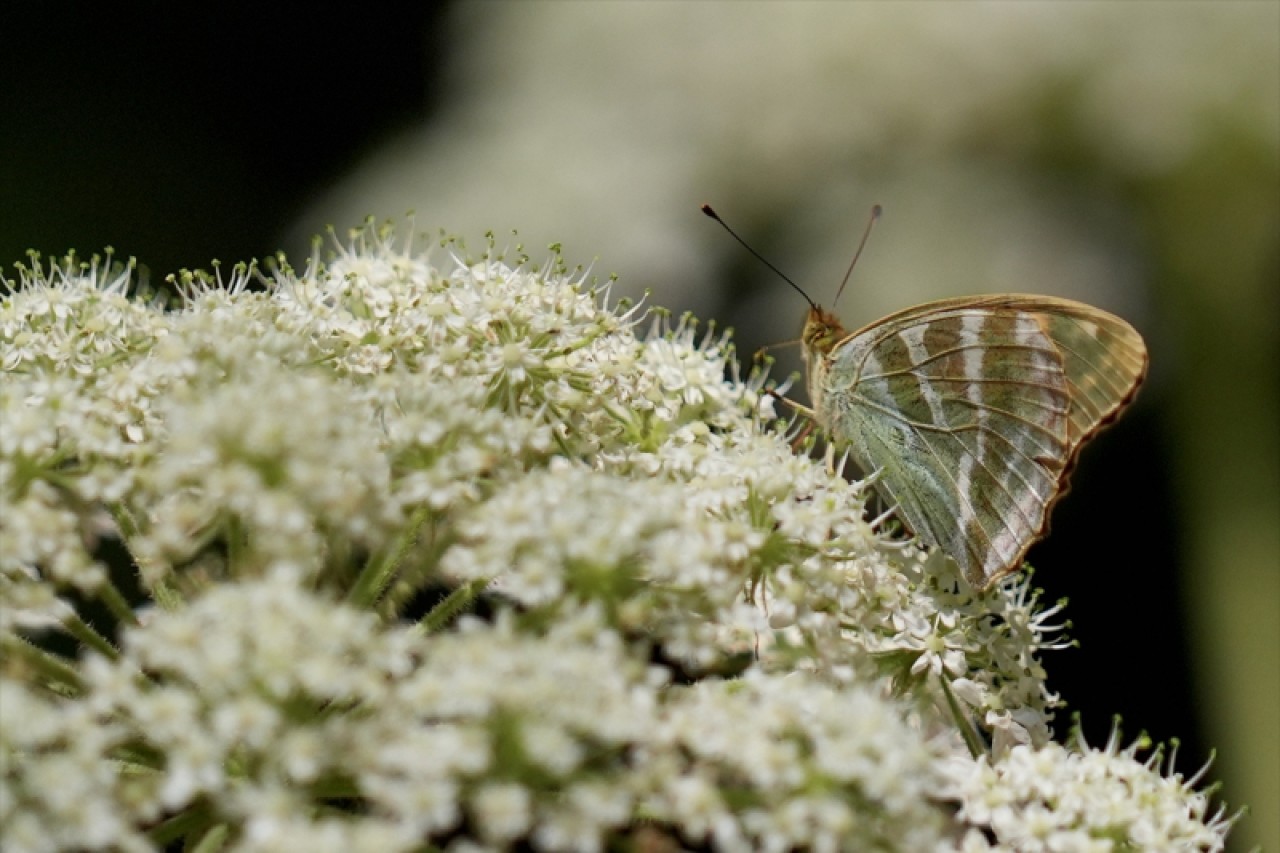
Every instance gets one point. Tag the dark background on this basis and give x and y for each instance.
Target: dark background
(178, 137)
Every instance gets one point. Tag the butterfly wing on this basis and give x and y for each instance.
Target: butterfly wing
(974, 411)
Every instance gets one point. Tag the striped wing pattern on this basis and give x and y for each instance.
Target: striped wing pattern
(973, 410)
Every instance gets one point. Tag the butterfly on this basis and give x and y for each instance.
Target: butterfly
(972, 411)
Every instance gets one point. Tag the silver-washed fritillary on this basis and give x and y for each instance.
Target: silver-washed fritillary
(972, 410)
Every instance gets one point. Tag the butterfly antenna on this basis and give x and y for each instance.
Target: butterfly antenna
(795, 342)
(876, 210)
(707, 209)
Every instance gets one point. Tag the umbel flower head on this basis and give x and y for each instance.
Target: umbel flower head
(449, 553)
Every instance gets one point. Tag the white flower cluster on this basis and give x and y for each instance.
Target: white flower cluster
(260, 697)
(316, 478)
(1059, 798)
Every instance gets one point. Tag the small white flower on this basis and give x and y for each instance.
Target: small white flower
(502, 811)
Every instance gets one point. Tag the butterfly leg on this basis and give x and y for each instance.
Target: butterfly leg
(803, 411)
(798, 441)
(792, 404)
(829, 459)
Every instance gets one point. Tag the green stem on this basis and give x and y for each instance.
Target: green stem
(86, 634)
(377, 573)
(214, 839)
(180, 825)
(117, 604)
(453, 604)
(167, 597)
(161, 593)
(52, 669)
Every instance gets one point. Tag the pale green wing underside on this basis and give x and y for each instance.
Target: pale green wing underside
(974, 409)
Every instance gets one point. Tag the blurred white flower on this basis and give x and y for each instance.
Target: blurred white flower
(959, 117)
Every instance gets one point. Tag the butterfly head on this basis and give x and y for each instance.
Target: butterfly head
(822, 331)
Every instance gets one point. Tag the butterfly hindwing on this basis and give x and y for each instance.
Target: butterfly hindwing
(973, 411)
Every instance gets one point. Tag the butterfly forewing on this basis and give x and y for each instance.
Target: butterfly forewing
(973, 410)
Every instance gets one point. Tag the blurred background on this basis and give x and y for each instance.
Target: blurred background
(1126, 154)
